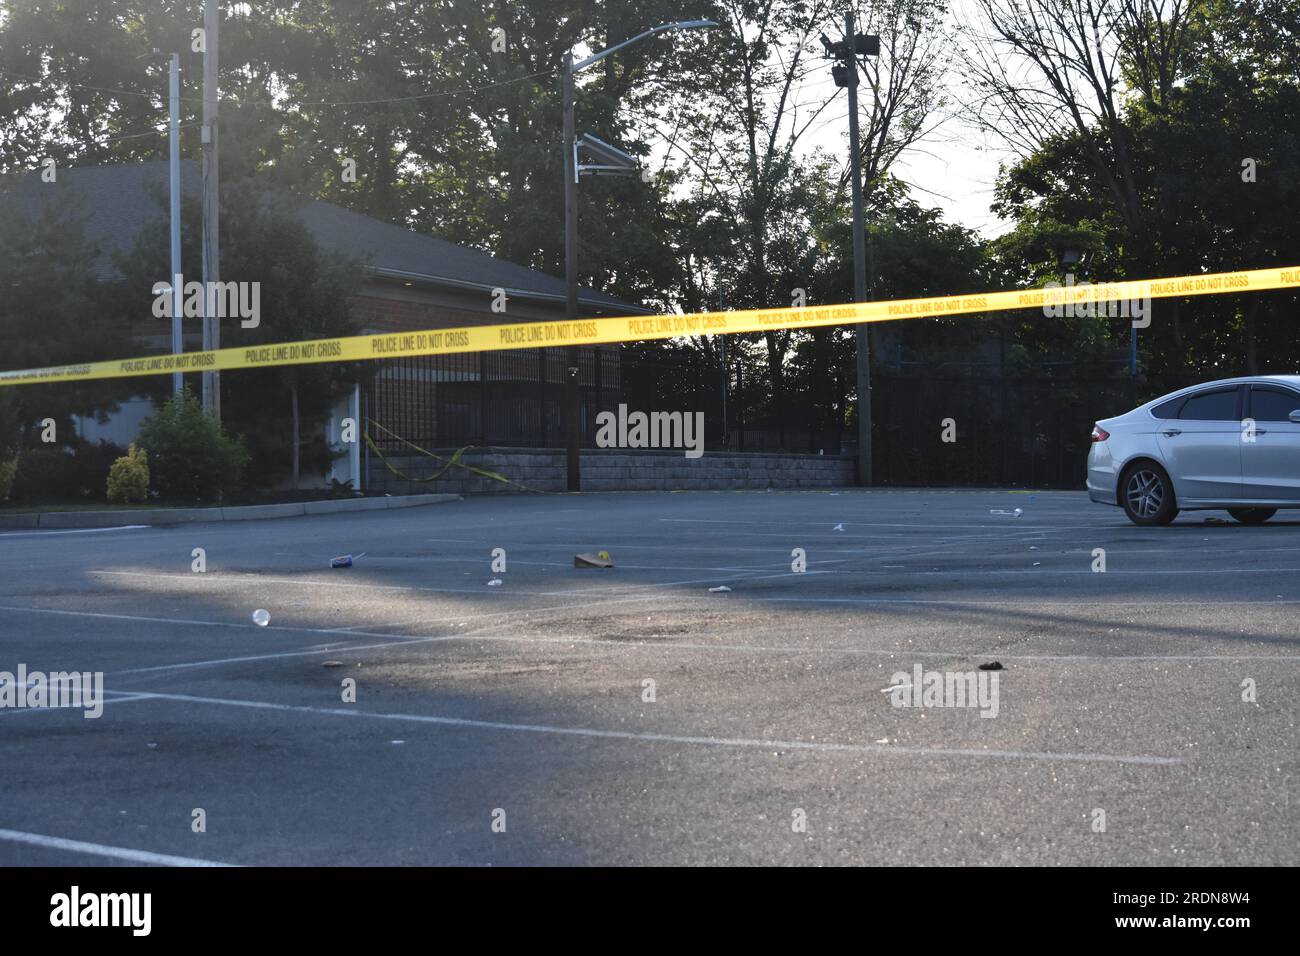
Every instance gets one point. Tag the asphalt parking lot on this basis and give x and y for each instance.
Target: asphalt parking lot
(511, 724)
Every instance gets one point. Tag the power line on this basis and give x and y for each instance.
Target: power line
(425, 96)
(96, 89)
(370, 102)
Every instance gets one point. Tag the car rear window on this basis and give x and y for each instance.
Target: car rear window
(1272, 404)
(1168, 409)
(1220, 406)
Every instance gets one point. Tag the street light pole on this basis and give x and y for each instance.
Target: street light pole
(859, 275)
(571, 395)
(861, 339)
(846, 75)
(174, 189)
(573, 412)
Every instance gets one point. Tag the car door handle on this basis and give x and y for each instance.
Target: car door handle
(1171, 432)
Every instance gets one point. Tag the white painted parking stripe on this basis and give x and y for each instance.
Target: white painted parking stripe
(99, 849)
(743, 742)
(48, 534)
(574, 639)
(312, 652)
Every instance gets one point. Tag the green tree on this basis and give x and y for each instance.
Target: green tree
(53, 312)
(304, 293)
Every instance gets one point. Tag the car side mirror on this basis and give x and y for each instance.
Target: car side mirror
(1295, 416)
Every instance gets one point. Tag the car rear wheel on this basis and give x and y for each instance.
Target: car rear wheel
(1148, 495)
(1252, 515)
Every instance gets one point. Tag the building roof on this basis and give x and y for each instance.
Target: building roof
(118, 201)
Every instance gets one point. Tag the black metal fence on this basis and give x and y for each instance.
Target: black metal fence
(509, 398)
(932, 426)
(1001, 430)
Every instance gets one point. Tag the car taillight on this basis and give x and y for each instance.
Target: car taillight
(1099, 433)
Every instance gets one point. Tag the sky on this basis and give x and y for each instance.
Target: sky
(953, 168)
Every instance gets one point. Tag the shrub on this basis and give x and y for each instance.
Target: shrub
(191, 458)
(128, 478)
(44, 475)
(90, 465)
(7, 471)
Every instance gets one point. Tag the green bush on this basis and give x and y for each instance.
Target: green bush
(90, 465)
(191, 458)
(7, 471)
(51, 473)
(44, 475)
(128, 478)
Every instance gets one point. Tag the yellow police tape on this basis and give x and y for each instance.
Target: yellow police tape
(484, 338)
(450, 463)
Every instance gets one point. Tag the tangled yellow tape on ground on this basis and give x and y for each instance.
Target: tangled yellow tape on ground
(483, 338)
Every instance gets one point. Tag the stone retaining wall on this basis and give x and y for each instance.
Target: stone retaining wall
(613, 470)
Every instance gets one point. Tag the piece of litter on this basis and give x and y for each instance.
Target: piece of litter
(720, 587)
(332, 664)
(495, 583)
(396, 742)
(838, 527)
(1033, 547)
(883, 740)
(345, 560)
(991, 666)
(152, 746)
(1037, 563)
(261, 617)
(599, 560)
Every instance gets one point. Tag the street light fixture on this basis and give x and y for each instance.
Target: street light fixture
(615, 161)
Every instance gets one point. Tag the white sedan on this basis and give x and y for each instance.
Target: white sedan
(1232, 444)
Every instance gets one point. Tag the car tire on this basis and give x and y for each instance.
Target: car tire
(1252, 515)
(1147, 494)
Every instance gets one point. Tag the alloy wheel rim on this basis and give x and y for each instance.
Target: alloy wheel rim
(1145, 493)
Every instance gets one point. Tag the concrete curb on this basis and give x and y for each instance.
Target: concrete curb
(164, 516)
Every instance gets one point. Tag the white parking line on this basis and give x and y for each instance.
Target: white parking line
(744, 742)
(118, 697)
(580, 640)
(395, 640)
(99, 849)
(47, 534)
